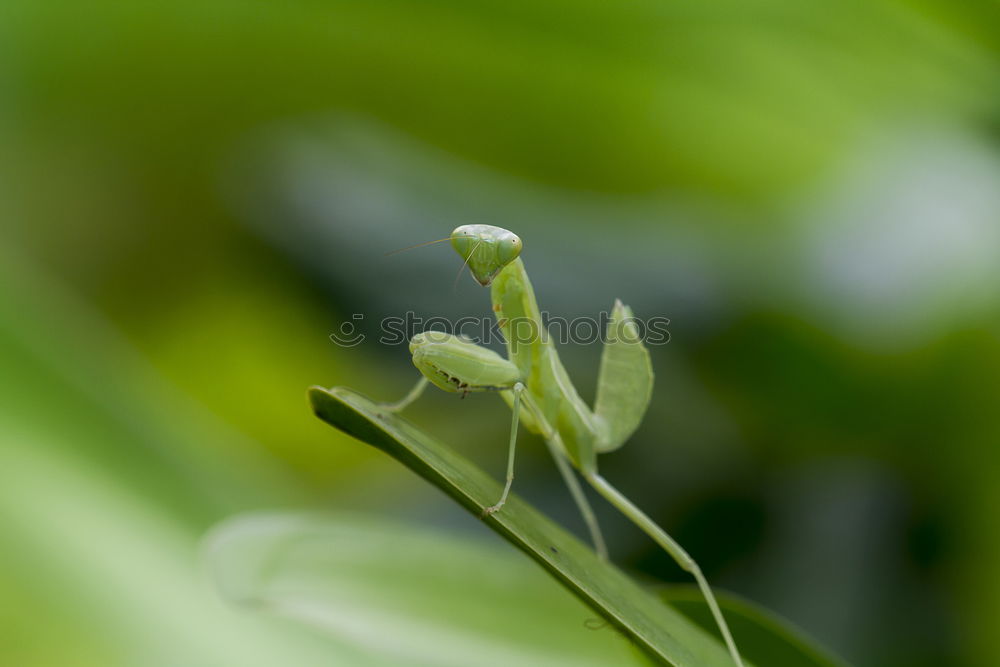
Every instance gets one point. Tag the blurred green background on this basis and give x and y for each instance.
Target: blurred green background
(194, 195)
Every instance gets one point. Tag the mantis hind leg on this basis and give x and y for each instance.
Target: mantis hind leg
(517, 390)
(580, 499)
(558, 451)
(671, 546)
(413, 395)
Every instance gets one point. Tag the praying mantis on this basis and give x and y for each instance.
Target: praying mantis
(534, 383)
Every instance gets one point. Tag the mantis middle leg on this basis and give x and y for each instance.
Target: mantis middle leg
(410, 397)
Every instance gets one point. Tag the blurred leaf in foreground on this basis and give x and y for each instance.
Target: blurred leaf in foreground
(412, 596)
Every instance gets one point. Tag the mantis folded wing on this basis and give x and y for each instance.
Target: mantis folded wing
(535, 384)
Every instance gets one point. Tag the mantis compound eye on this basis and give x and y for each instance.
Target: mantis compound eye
(508, 248)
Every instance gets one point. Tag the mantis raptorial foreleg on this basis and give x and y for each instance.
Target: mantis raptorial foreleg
(429, 344)
(535, 384)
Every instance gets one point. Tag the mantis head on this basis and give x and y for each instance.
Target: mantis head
(486, 249)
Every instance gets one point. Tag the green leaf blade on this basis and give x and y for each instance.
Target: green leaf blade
(660, 630)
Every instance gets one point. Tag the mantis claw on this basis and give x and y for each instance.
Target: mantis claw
(492, 509)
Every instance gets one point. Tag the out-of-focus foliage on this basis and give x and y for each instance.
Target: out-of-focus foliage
(193, 195)
(408, 594)
(764, 638)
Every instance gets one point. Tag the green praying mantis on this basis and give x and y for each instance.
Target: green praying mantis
(534, 383)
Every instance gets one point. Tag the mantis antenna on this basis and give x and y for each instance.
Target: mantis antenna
(458, 277)
(419, 245)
